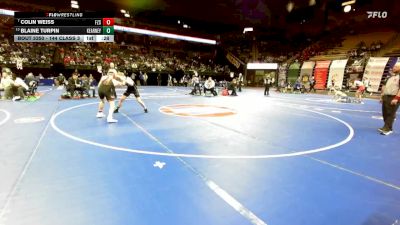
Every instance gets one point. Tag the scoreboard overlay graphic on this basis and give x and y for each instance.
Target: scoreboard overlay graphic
(63, 27)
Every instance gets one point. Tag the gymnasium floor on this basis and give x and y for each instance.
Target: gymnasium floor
(278, 160)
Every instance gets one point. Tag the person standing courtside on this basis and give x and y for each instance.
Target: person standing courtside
(145, 77)
(390, 99)
(267, 83)
(240, 80)
(196, 85)
(170, 80)
(159, 79)
(312, 84)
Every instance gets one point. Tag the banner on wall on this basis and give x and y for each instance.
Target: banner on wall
(354, 71)
(307, 68)
(374, 71)
(262, 66)
(282, 71)
(293, 72)
(392, 61)
(336, 72)
(321, 74)
(232, 59)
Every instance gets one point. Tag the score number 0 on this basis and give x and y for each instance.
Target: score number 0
(108, 21)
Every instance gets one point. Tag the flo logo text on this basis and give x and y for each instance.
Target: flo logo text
(377, 14)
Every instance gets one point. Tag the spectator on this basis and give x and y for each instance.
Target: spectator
(378, 45)
(141, 78)
(133, 76)
(145, 77)
(372, 47)
(169, 80)
(159, 79)
(185, 80)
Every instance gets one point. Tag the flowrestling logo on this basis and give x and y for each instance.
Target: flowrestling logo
(377, 14)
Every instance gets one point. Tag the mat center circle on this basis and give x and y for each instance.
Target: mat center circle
(209, 156)
(196, 110)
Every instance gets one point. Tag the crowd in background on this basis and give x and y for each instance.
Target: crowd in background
(362, 50)
(92, 55)
(136, 57)
(25, 53)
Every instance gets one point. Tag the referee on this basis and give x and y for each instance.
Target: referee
(268, 81)
(390, 99)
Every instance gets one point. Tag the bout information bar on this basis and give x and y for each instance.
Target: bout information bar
(63, 27)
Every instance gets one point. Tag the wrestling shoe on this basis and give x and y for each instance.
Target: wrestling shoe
(116, 110)
(381, 129)
(111, 120)
(100, 115)
(386, 132)
(145, 110)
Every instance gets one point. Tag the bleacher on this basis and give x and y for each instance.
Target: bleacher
(350, 42)
(392, 49)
